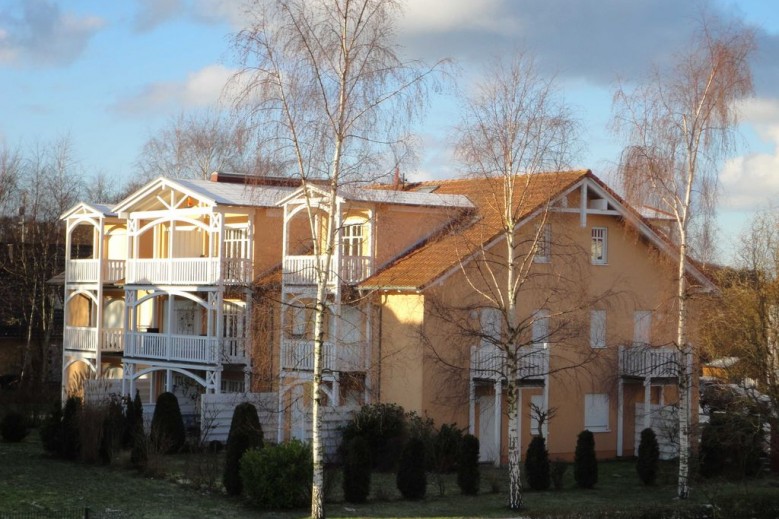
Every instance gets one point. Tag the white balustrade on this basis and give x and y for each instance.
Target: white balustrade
(645, 361)
(303, 270)
(188, 271)
(81, 338)
(234, 349)
(82, 270)
(298, 355)
(355, 268)
(113, 270)
(184, 348)
(112, 339)
(489, 362)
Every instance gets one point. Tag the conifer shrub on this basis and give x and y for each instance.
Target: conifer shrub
(585, 465)
(278, 476)
(411, 478)
(537, 464)
(167, 432)
(648, 456)
(245, 433)
(14, 427)
(51, 430)
(70, 445)
(139, 453)
(129, 421)
(383, 426)
(468, 477)
(447, 448)
(357, 470)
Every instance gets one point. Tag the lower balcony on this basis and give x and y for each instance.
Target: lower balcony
(85, 338)
(646, 361)
(489, 362)
(189, 271)
(298, 355)
(303, 270)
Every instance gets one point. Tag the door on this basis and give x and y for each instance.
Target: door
(488, 448)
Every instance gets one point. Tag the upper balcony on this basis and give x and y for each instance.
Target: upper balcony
(298, 355)
(644, 361)
(88, 339)
(108, 271)
(489, 362)
(189, 271)
(185, 348)
(304, 270)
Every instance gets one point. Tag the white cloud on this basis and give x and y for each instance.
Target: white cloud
(152, 13)
(200, 89)
(37, 32)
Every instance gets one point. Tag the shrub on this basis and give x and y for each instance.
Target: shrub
(357, 471)
(585, 465)
(245, 433)
(14, 427)
(731, 444)
(537, 464)
(447, 448)
(383, 427)
(411, 478)
(90, 431)
(559, 468)
(648, 456)
(468, 465)
(167, 425)
(51, 430)
(70, 445)
(113, 428)
(278, 476)
(421, 428)
(139, 455)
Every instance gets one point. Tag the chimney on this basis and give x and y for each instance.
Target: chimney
(396, 179)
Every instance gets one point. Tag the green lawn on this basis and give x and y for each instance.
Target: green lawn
(30, 482)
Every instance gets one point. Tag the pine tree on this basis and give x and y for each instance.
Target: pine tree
(468, 466)
(648, 455)
(245, 433)
(537, 464)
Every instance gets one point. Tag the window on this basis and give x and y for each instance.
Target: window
(598, 328)
(536, 402)
(596, 412)
(540, 327)
(543, 244)
(490, 320)
(642, 327)
(599, 246)
(351, 240)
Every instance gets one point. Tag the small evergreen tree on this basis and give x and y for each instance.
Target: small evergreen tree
(70, 447)
(468, 465)
(648, 456)
(585, 465)
(51, 430)
(167, 425)
(245, 433)
(129, 421)
(139, 454)
(357, 470)
(537, 464)
(411, 478)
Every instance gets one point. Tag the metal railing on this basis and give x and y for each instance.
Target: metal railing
(646, 361)
(298, 355)
(489, 362)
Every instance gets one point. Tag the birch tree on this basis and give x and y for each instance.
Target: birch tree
(514, 125)
(325, 82)
(678, 125)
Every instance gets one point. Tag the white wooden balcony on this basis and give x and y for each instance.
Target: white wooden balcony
(489, 362)
(646, 361)
(180, 348)
(85, 338)
(189, 271)
(298, 355)
(112, 339)
(94, 270)
(302, 270)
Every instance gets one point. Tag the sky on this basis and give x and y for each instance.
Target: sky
(109, 74)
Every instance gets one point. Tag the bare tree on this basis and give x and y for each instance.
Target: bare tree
(678, 125)
(514, 126)
(325, 83)
(195, 144)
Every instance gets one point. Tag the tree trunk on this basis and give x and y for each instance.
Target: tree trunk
(515, 445)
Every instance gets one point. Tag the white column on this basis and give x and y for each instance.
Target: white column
(498, 415)
(620, 415)
(647, 401)
(546, 408)
(100, 302)
(168, 381)
(583, 205)
(471, 406)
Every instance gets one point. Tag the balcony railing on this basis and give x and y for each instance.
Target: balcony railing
(183, 348)
(112, 339)
(302, 270)
(87, 270)
(645, 361)
(189, 271)
(298, 355)
(80, 338)
(489, 362)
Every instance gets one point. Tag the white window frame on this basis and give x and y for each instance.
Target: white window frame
(540, 327)
(543, 245)
(597, 329)
(642, 327)
(353, 239)
(599, 245)
(538, 401)
(596, 412)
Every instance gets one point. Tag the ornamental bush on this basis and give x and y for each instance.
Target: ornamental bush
(411, 478)
(70, 445)
(167, 425)
(648, 456)
(245, 433)
(732, 445)
(51, 430)
(585, 465)
(139, 454)
(447, 448)
(537, 464)
(14, 427)
(383, 427)
(357, 471)
(468, 465)
(278, 476)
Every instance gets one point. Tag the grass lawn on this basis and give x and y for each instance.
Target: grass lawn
(30, 482)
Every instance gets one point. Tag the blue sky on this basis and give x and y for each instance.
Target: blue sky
(111, 73)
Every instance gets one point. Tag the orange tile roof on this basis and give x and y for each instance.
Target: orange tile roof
(440, 254)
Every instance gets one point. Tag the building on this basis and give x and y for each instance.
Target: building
(207, 288)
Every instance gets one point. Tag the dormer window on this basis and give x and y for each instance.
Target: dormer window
(599, 246)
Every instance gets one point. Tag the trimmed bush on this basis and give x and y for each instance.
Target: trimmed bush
(383, 427)
(537, 464)
(14, 427)
(167, 425)
(357, 471)
(585, 465)
(51, 430)
(70, 446)
(447, 448)
(245, 433)
(278, 476)
(411, 479)
(468, 465)
(731, 444)
(139, 454)
(648, 456)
